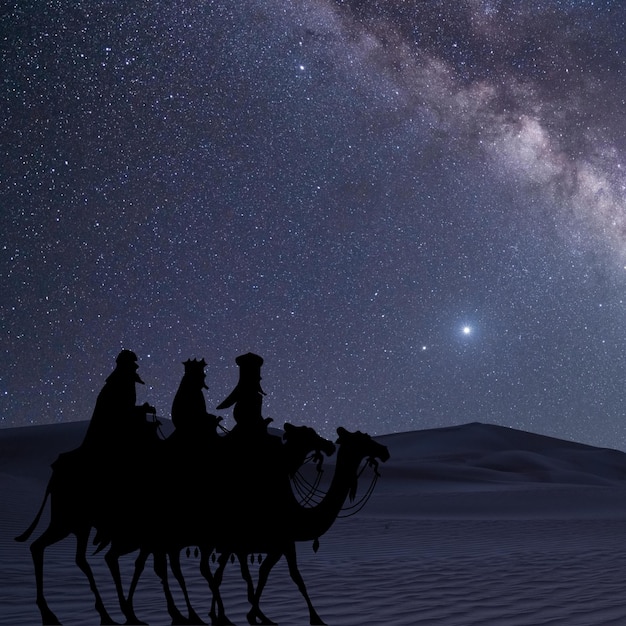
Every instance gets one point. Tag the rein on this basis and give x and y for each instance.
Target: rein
(357, 506)
(311, 494)
(308, 492)
(353, 509)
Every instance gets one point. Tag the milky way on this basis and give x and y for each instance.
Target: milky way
(414, 211)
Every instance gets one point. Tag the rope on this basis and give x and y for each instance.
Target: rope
(305, 489)
(315, 495)
(309, 493)
(362, 502)
(358, 506)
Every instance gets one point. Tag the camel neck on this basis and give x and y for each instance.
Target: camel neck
(315, 521)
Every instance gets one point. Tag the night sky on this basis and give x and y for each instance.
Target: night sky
(414, 210)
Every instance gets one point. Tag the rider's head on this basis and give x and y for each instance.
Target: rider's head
(195, 370)
(126, 364)
(248, 388)
(249, 369)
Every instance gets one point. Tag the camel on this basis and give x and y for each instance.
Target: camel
(151, 530)
(68, 516)
(285, 523)
(294, 522)
(300, 442)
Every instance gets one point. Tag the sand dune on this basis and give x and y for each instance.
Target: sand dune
(474, 524)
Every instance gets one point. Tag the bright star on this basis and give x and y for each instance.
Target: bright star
(467, 330)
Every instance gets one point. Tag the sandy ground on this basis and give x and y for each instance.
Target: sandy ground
(470, 525)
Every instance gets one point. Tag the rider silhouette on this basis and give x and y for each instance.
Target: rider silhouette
(117, 423)
(117, 454)
(189, 415)
(247, 397)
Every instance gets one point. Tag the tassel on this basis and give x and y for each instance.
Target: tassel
(232, 558)
(352, 493)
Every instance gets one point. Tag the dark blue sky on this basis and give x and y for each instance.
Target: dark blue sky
(341, 187)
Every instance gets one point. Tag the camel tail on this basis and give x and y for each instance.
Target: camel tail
(29, 531)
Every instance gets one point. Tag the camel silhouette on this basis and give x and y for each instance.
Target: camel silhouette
(166, 538)
(286, 523)
(293, 522)
(198, 523)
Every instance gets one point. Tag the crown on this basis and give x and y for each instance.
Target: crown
(189, 364)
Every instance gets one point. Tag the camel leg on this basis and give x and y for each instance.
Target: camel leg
(82, 539)
(217, 614)
(217, 581)
(255, 615)
(245, 574)
(160, 569)
(294, 572)
(140, 563)
(194, 618)
(49, 537)
(126, 605)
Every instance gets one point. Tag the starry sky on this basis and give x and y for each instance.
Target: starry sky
(414, 210)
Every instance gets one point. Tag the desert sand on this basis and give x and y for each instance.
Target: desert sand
(469, 525)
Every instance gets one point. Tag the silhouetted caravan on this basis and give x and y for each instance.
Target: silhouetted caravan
(140, 492)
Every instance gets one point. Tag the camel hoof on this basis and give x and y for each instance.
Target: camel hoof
(194, 618)
(48, 618)
(131, 618)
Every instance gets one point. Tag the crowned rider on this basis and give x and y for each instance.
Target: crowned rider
(189, 415)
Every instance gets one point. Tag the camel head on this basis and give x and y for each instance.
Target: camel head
(301, 441)
(358, 446)
(362, 445)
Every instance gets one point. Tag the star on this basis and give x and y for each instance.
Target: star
(320, 183)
